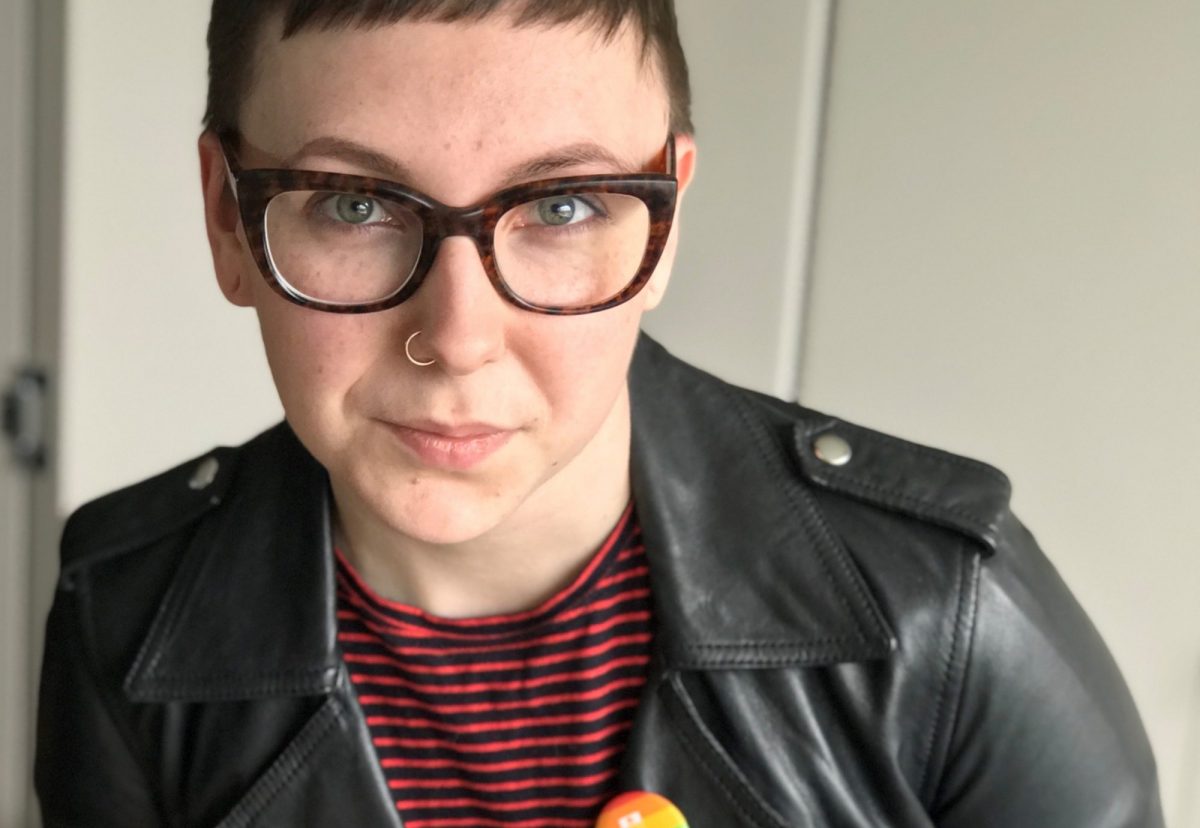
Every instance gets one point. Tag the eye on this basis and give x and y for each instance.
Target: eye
(563, 210)
(354, 209)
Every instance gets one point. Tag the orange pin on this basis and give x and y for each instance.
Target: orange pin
(640, 810)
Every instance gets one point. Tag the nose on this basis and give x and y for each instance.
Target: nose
(460, 315)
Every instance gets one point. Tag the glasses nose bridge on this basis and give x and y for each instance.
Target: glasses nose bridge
(443, 223)
(470, 222)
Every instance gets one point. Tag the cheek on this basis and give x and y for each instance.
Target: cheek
(314, 357)
(582, 372)
(654, 291)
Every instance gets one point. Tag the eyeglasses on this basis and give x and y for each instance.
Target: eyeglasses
(351, 244)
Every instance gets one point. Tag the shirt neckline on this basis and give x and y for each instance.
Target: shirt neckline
(595, 569)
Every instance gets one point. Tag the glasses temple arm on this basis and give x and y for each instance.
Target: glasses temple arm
(230, 177)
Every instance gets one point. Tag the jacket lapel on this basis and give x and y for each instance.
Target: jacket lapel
(326, 775)
(267, 557)
(746, 572)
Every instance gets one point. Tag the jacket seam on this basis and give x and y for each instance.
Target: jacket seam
(806, 511)
(183, 678)
(289, 764)
(698, 752)
(942, 458)
(927, 508)
(818, 526)
(166, 621)
(949, 702)
(778, 645)
(207, 693)
(705, 656)
(798, 660)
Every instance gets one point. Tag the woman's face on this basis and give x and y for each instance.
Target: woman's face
(520, 412)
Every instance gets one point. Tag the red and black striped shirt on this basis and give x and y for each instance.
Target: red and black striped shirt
(515, 720)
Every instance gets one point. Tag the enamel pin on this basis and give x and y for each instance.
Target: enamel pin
(640, 810)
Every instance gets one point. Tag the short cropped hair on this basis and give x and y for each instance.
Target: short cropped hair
(235, 26)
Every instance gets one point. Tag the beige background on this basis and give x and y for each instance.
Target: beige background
(1006, 263)
(16, 246)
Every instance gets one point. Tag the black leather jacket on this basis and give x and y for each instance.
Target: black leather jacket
(873, 644)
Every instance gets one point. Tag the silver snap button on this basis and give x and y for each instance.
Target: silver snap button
(205, 474)
(832, 449)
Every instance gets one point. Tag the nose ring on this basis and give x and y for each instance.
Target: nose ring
(411, 358)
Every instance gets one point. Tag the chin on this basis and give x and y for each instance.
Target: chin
(436, 511)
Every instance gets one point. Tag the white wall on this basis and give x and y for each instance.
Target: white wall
(734, 303)
(1008, 265)
(156, 366)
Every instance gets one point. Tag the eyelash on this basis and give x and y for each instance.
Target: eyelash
(318, 206)
(599, 214)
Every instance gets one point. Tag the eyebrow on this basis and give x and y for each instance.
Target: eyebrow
(565, 158)
(352, 153)
(542, 166)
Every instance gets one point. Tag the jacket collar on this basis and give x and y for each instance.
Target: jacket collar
(250, 612)
(745, 571)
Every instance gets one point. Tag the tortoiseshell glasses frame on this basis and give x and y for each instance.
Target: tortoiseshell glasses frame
(254, 190)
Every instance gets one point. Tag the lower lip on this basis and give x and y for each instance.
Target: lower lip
(452, 453)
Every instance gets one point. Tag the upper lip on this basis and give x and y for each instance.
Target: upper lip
(455, 431)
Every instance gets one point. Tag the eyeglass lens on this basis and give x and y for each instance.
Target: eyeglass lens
(568, 250)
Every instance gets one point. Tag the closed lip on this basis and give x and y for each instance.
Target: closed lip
(456, 431)
(457, 447)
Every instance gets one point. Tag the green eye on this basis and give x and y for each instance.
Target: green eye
(557, 212)
(355, 209)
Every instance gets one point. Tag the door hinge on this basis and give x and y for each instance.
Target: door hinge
(25, 417)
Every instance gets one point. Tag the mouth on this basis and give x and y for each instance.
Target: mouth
(451, 447)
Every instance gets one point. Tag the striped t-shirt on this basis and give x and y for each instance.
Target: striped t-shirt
(515, 720)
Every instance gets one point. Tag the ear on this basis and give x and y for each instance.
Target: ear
(685, 161)
(685, 171)
(223, 225)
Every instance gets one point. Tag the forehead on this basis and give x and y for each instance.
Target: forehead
(480, 92)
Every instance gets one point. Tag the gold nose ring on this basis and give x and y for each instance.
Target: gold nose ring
(411, 358)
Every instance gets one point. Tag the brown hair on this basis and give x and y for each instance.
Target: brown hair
(234, 29)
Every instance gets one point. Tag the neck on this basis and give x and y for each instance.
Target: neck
(529, 557)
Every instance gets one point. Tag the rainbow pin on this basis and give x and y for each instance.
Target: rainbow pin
(639, 809)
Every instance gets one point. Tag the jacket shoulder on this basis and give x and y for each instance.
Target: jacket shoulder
(949, 490)
(832, 454)
(147, 511)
